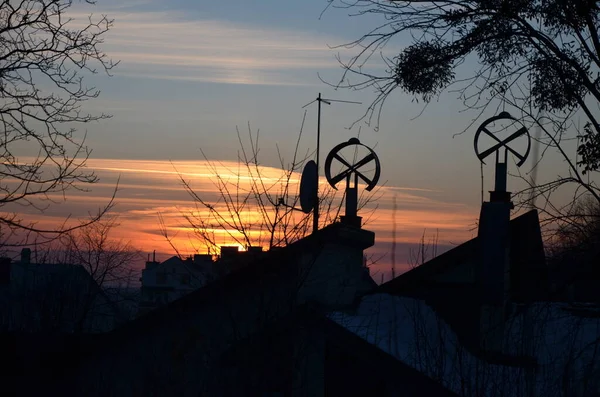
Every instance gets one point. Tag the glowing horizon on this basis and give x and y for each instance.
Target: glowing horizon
(148, 188)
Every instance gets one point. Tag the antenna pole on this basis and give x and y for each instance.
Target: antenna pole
(534, 161)
(316, 208)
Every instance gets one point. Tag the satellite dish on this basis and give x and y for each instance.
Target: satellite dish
(308, 187)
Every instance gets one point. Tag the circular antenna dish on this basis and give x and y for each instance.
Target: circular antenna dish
(308, 187)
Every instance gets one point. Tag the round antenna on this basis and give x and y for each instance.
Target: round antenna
(353, 166)
(308, 187)
(502, 143)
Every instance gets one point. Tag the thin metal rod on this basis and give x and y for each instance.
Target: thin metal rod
(316, 208)
(339, 100)
(310, 103)
(534, 162)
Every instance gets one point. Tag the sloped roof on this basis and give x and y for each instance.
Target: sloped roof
(526, 256)
(172, 261)
(563, 346)
(62, 275)
(457, 302)
(356, 351)
(176, 261)
(59, 269)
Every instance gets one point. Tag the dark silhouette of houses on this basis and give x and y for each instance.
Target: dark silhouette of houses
(53, 298)
(263, 328)
(164, 282)
(307, 320)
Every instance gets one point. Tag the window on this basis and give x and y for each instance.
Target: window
(161, 278)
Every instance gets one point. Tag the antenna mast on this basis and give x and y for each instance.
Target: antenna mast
(535, 159)
(319, 99)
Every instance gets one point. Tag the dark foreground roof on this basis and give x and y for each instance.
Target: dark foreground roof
(527, 262)
(274, 265)
(33, 362)
(353, 366)
(40, 363)
(457, 300)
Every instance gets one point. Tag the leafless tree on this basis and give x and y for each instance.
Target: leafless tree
(573, 247)
(426, 250)
(109, 262)
(44, 58)
(105, 258)
(256, 209)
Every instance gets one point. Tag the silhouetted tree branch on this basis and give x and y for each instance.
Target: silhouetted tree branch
(248, 208)
(44, 57)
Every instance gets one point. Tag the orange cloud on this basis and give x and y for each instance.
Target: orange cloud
(148, 188)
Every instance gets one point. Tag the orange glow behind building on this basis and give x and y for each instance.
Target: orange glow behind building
(151, 199)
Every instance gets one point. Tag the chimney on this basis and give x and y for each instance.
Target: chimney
(151, 264)
(26, 256)
(255, 249)
(229, 252)
(332, 271)
(493, 272)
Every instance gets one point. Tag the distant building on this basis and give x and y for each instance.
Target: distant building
(164, 282)
(51, 298)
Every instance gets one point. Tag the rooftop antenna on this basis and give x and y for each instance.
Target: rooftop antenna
(352, 174)
(535, 158)
(327, 101)
(500, 194)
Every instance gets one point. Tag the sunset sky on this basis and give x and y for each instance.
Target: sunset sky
(193, 71)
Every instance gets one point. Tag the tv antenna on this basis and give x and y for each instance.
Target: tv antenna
(352, 174)
(501, 145)
(327, 101)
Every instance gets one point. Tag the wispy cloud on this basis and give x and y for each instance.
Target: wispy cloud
(172, 45)
(150, 187)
